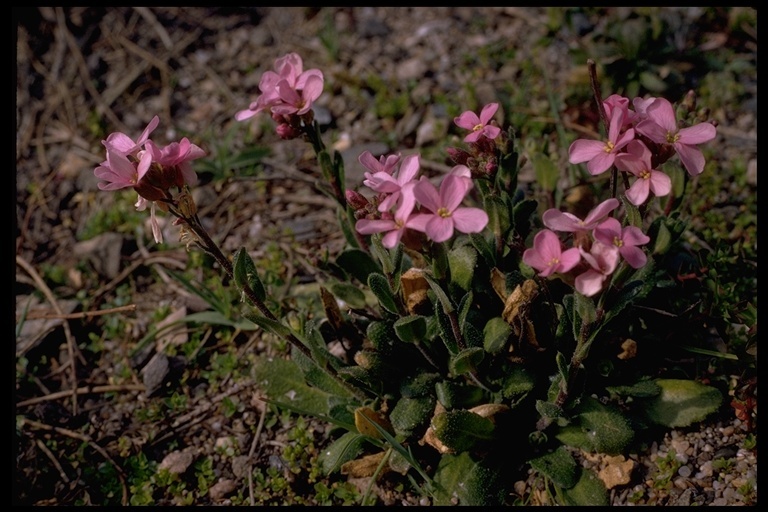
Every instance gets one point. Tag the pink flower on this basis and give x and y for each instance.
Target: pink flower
(394, 227)
(614, 104)
(601, 155)
(568, 222)
(641, 107)
(118, 171)
(637, 160)
(383, 164)
(123, 144)
(627, 240)
(661, 127)
(390, 185)
(446, 214)
(177, 155)
(479, 126)
(603, 260)
(547, 255)
(298, 101)
(290, 68)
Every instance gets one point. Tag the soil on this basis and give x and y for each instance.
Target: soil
(86, 71)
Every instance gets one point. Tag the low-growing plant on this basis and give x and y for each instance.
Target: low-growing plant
(469, 331)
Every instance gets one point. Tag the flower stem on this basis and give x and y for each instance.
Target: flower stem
(209, 246)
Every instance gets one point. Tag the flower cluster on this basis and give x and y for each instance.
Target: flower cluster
(439, 212)
(639, 141)
(149, 169)
(288, 93)
(592, 259)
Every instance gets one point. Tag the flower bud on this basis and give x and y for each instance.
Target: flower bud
(356, 200)
(287, 132)
(459, 156)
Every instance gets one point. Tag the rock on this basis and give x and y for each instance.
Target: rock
(177, 462)
(222, 489)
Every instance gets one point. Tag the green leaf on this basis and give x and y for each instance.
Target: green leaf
(411, 413)
(521, 214)
(640, 389)
(318, 378)
(358, 264)
(245, 274)
(283, 381)
(269, 325)
(559, 466)
(588, 491)
(204, 293)
(466, 361)
(634, 217)
(549, 410)
(682, 402)
(518, 381)
(439, 293)
(483, 248)
(344, 449)
(216, 318)
(352, 295)
(663, 240)
(411, 329)
(382, 336)
(462, 261)
(596, 427)
(453, 395)
(499, 217)
(584, 310)
(469, 481)
(446, 331)
(461, 430)
(495, 335)
(381, 289)
(547, 173)
(382, 254)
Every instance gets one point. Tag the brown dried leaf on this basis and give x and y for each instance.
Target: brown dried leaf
(365, 428)
(364, 466)
(617, 471)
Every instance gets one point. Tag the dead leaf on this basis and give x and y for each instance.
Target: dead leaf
(618, 471)
(629, 349)
(364, 426)
(414, 287)
(364, 466)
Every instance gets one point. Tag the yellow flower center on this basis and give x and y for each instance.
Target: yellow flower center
(609, 146)
(477, 127)
(444, 213)
(645, 174)
(672, 137)
(554, 262)
(618, 242)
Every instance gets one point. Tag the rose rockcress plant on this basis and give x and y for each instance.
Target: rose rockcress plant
(455, 328)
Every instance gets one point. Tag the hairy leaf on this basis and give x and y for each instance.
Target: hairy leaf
(682, 402)
(461, 479)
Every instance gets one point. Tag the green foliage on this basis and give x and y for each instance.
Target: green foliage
(558, 466)
(588, 491)
(466, 481)
(682, 402)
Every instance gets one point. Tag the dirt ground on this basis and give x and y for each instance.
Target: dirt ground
(82, 72)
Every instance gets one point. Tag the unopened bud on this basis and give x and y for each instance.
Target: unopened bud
(690, 101)
(287, 132)
(459, 156)
(356, 200)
